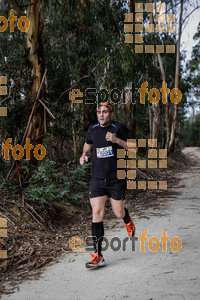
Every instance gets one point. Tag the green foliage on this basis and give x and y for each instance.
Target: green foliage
(193, 65)
(46, 184)
(8, 186)
(191, 132)
(79, 39)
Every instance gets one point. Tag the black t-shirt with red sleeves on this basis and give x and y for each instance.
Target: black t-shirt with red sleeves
(104, 153)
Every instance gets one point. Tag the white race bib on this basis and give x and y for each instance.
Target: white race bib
(105, 152)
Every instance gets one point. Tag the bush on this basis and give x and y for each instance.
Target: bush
(47, 185)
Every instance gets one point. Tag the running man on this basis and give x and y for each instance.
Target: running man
(104, 138)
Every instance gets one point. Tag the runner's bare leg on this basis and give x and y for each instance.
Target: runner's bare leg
(118, 207)
(98, 208)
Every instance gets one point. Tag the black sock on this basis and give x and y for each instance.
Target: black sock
(126, 217)
(98, 233)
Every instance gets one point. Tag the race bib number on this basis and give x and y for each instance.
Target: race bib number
(105, 152)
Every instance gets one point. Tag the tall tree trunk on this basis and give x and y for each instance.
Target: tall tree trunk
(35, 130)
(150, 120)
(86, 82)
(130, 108)
(35, 59)
(74, 133)
(166, 105)
(175, 116)
(155, 107)
(156, 121)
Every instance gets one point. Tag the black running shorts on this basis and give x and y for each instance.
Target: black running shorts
(114, 188)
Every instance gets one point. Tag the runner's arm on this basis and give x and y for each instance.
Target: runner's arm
(86, 151)
(112, 138)
(124, 144)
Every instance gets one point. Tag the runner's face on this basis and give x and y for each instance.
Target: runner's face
(103, 116)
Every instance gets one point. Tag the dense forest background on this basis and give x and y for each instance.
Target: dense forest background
(80, 44)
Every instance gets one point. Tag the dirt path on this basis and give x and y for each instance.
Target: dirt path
(135, 274)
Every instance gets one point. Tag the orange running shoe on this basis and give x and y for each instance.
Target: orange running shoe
(96, 261)
(130, 228)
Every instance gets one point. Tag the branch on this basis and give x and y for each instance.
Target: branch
(104, 58)
(37, 97)
(85, 76)
(172, 6)
(190, 13)
(46, 108)
(178, 48)
(161, 67)
(30, 4)
(29, 121)
(10, 75)
(16, 7)
(9, 96)
(143, 174)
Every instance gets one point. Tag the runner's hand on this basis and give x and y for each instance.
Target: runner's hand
(111, 137)
(83, 160)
